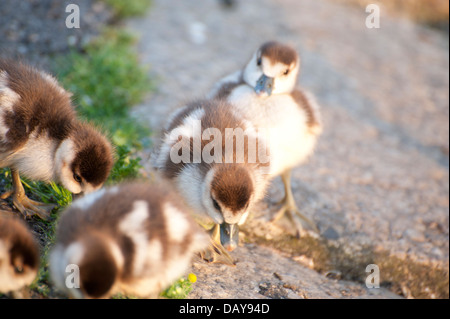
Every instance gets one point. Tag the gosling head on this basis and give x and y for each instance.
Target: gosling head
(228, 196)
(84, 160)
(19, 255)
(273, 69)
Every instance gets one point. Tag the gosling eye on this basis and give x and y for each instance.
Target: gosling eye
(259, 62)
(216, 205)
(77, 178)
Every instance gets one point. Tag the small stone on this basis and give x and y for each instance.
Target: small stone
(273, 291)
(333, 274)
(437, 252)
(34, 37)
(414, 235)
(22, 49)
(71, 40)
(278, 276)
(306, 261)
(330, 233)
(197, 32)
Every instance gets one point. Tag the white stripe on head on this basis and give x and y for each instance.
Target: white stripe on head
(176, 223)
(7, 96)
(133, 225)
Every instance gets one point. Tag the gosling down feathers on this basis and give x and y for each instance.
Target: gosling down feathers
(220, 188)
(134, 239)
(19, 255)
(264, 93)
(42, 139)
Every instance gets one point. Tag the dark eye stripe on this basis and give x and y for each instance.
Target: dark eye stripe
(216, 205)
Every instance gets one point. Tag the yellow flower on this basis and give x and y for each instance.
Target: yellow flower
(192, 278)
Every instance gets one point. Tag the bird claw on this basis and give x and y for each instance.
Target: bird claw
(216, 253)
(292, 211)
(28, 207)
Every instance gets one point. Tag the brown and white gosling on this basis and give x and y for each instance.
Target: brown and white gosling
(220, 187)
(19, 254)
(42, 139)
(264, 93)
(134, 239)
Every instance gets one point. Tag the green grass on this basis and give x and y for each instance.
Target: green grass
(179, 290)
(49, 193)
(106, 81)
(127, 8)
(126, 167)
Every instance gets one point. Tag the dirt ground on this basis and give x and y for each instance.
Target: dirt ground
(35, 30)
(378, 185)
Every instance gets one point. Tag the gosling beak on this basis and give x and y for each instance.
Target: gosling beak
(229, 236)
(76, 196)
(264, 85)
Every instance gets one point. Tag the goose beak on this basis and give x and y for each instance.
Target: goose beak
(229, 236)
(77, 196)
(264, 85)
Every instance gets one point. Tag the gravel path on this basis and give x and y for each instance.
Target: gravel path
(35, 31)
(378, 185)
